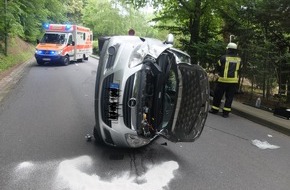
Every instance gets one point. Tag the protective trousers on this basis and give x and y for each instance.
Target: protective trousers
(229, 90)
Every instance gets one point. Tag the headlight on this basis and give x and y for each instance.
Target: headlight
(38, 51)
(138, 55)
(48, 52)
(136, 141)
(55, 52)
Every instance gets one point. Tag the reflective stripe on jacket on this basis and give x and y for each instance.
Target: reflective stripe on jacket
(229, 67)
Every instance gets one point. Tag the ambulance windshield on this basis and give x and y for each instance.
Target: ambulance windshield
(54, 38)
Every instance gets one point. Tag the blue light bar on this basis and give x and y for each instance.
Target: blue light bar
(67, 27)
(47, 52)
(39, 52)
(46, 26)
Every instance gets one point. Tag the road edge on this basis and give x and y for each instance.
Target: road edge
(12, 78)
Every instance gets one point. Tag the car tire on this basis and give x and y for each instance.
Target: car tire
(40, 63)
(81, 59)
(97, 135)
(86, 58)
(66, 60)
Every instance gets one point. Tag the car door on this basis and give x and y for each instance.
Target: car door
(185, 102)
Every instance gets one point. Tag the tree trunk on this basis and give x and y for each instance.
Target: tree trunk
(194, 31)
(288, 92)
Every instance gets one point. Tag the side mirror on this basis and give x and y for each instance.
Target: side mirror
(73, 43)
(37, 41)
(169, 39)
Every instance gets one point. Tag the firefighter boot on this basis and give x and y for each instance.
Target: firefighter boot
(213, 111)
(226, 114)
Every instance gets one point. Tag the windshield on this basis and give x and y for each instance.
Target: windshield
(54, 38)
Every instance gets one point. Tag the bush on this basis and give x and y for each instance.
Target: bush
(96, 48)
(18, 52)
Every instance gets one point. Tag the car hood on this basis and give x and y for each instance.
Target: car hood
(46, 46)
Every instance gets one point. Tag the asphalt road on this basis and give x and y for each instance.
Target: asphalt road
(47, 114)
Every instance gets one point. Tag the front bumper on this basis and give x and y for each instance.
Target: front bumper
(49, 59)
(114, 126)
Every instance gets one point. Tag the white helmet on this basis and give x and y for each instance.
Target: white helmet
(232, 46)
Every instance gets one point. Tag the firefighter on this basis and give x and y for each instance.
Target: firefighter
(228, 69)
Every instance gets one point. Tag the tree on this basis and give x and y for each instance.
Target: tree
(74, 10)
(106, 17)
(103, 18)
(194, 23)
(202, 28)
(25, 18)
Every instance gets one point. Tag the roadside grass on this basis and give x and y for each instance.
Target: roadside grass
(18, 52)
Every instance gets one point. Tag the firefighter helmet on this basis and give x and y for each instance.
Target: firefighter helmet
(232, 46)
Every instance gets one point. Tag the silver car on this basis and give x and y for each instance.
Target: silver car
(145, 88)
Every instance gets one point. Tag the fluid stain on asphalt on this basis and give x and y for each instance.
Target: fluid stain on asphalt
(264, 144)
(70, 174)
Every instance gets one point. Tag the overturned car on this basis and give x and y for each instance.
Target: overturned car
(145, 88)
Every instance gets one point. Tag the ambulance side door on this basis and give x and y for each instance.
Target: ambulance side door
(70, 45)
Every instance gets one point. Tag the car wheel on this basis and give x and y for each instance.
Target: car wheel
(81, 59)
(66, 60)
(97, 135)
(40, 63)
(86, 58)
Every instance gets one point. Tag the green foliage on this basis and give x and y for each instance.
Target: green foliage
(107, 18)
(102, 18)
(25, 18)
(74, 9)
(18, 54)
(202, 28)
(96, 48)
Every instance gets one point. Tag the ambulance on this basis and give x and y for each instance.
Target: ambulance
(63, 43)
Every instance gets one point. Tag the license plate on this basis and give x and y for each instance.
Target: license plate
(46, 59)
(114, 86)
(113, 101)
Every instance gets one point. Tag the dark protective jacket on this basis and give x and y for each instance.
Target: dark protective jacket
(228, 68)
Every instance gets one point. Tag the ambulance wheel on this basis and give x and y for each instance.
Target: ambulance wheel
(40, 63)
(66, 60)
(86, 58)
